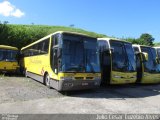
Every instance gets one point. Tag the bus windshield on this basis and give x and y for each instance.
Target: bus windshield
(8, 55)
(131, 57)
(123, 58)
(79, 54)
(151, 65)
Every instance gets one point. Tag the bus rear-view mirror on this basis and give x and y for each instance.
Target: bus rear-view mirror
(144, 56)
(112, 50)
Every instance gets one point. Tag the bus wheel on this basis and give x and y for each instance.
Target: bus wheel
(47, 81)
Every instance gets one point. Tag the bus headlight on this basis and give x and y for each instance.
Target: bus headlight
(66, 78)
(116, 76)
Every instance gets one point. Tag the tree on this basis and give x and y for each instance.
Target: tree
(146, 39)
(3, 32)
(132, 40)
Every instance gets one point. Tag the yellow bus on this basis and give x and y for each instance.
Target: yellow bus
(64, 60)
(8, 59)
(148, 68)
(118, 64)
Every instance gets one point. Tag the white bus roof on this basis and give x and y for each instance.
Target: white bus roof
(8, 47)
(61, 32)
(157, 47)
(136, 45)
(115, 39)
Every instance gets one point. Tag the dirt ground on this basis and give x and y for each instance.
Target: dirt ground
(23, 95)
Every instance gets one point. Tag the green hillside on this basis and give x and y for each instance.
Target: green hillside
(22, 35)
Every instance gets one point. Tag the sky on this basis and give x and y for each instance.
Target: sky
(117, 18)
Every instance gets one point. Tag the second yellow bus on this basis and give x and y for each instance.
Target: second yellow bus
(118, 64)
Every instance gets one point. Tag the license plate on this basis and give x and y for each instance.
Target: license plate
(84, 84)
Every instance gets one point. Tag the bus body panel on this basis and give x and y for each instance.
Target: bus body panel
(37, 64)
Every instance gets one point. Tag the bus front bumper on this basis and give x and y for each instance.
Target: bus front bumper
(68, 85)
(8, 70)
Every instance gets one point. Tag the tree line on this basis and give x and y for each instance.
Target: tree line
(19, 36)
(144, 39)
(22, 35)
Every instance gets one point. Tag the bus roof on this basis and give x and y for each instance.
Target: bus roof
(76, 33)
(136, 45)
(114, 39)
(61, 32)
(8, 47)
(157, 47)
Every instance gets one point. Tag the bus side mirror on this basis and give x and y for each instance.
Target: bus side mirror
(112, 49)
(144, 56)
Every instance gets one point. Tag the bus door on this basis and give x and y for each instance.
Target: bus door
(55, 54)
(106, 67)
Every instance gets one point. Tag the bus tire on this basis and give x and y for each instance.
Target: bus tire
(47, 80)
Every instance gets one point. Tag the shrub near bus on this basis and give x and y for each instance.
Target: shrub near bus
(64, 61)
(8, 59)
